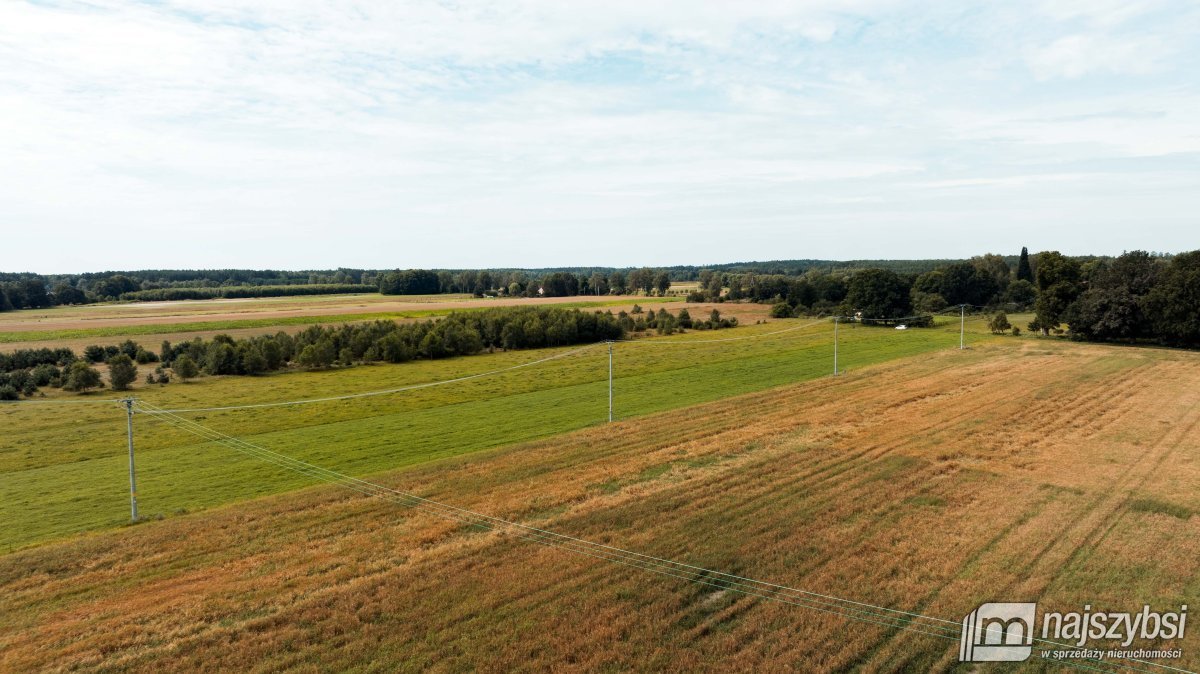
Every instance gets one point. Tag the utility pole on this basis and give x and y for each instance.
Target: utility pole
(610, 370)
(132, 478)
(962, 325)
(835, 326)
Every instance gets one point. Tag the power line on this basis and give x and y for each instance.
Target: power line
(724, 580)
(847, 608)
(456, 380)
(413, 387)
(688, 342)
(106, 401)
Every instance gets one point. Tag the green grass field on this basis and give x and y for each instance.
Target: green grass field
(63, 467)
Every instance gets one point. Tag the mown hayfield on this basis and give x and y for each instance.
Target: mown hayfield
(152, 322)
(1017, 470)
(63, 467)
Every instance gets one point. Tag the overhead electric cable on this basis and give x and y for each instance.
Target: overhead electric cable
(368, 394)
(847, 608)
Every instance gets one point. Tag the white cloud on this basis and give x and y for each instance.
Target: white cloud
(446, 133)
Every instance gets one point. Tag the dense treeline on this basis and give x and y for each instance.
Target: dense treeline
(459, 334)
(34, 291)
(23, 372)
(1137, 296)
(172, 294)
(519, 283)
(26, 290)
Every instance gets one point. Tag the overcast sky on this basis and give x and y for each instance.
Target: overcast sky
(306, 134)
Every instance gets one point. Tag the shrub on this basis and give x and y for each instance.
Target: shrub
(121, 372)
(999, 323)
(185, 367)
(81, 377)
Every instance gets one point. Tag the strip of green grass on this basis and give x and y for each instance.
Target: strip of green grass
(63, 468)
(13, 337)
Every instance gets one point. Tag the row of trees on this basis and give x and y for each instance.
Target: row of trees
(24, 372)
(228, 292)
(519, 283)
(32, 293)
(1135, 297)
(1138, 296)
(986, 280)
(72, 375)
(458, 334)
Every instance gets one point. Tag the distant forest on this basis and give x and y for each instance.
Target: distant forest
(1136, 297)
(35, 291)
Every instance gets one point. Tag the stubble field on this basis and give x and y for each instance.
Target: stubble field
(1014, 471)
(63, 467)
(151, 322)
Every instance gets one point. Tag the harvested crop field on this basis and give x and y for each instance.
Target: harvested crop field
(1019, 470)
(78, 327)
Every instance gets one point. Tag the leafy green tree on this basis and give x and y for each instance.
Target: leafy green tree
(35, 294)
(1021, 293)
(930, 283)
(65, 293)
(998, 323)
(781, 310)
(94, 354)
(410, 282)
(1113, 307)
(685, 319)
(185, 368)
(82, 377)
(121, 372)
(662, 283)
(1058, 278)
(598, 284)
(928, 302)
(618, 283)
(272, 352)
(114, 286)
(641, 279)
(1024, 271)
(220, 358)
(1174, 302)
(996, 267)
(250, 359)
(318, 354)
(878, 293)
(964, 283)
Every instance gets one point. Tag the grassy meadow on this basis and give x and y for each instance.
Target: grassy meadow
(63, 467)
(1019, 469)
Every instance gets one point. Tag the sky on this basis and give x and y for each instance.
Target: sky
(302, 134)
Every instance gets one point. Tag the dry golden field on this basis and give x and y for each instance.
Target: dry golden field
(149, 323)
(1020, 470)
